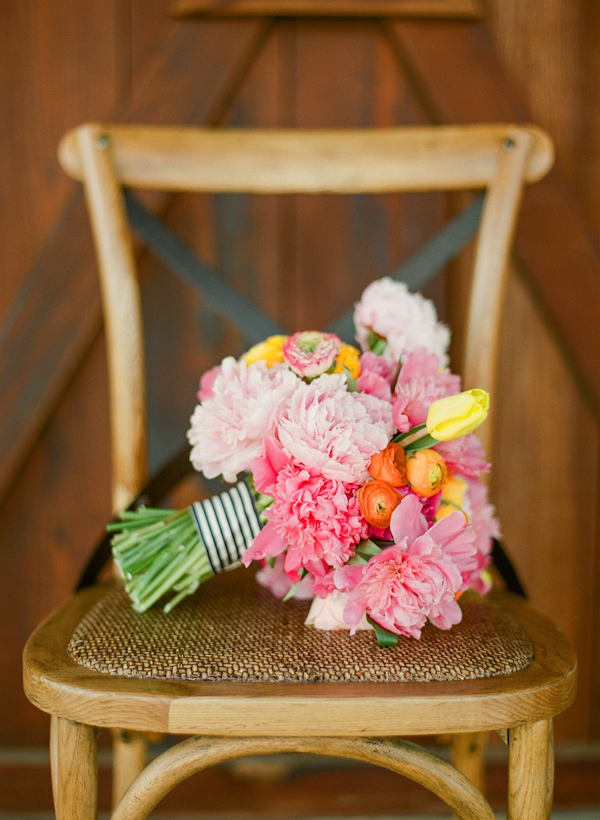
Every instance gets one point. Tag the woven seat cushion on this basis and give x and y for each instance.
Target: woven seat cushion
(233, 629)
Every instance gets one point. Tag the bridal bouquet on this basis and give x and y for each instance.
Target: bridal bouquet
(356, 480)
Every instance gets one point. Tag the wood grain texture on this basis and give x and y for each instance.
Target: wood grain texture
(37, 367)
(444, 59)
(551, 543)
(451, 9)
(467, 753)
(130, 756)
(74, 770)
(274, 787)
(529, 749)
(403, 757)
(122, 316)
(57, 685)
(308, 161)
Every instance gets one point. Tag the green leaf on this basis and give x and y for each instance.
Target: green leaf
(352, 386)
(421, 444)
(292, 591)
(377, 344)
(402, 436)
(385, 638)
(357, 558)
(368, 547)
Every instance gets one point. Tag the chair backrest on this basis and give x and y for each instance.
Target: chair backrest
(497, 158)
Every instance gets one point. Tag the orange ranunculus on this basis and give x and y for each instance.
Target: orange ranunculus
(389, 465)
(425, 472)
(377, 501)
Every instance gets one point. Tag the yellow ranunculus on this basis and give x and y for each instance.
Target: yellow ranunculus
(268, 351)
(452, 497)
(453, 490)
(458, 415)
(348, 357)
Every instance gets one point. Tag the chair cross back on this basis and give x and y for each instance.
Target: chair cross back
(500, 159)
(228, 719)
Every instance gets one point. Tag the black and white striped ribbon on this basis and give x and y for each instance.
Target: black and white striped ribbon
(227, 524)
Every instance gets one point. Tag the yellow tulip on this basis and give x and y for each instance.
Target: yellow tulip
(455, 416)
(268, 351)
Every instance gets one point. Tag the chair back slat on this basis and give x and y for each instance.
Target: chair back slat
(308, 161)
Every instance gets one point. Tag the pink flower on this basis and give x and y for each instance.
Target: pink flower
(207, 381)
(227, 430)
(311, 353)
(485, 525)
(316, 519)
(333, 432)
(406, 321)
(278, 582)
(415, 579)
(376, 375)
(464, 455)
(421, 381)
(328, 613)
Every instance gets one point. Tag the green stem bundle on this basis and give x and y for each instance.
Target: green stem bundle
(158, 552)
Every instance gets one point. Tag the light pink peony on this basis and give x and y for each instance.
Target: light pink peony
(311, 353)
(316, 519)
(415, 579)
(333, 432)
(279, 583)
(376, 375)
(228, 429)
(207, 381)
(485, 525)
(464, 455)
(328, 613)
(421, 381)
(405, 320)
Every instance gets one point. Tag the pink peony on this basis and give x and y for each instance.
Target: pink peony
(485, 525)
(333, 432)
(311, 353)
(415, 579)
(207, 381)
(405, 320)
(376, 375)
(328, 613)
(278, 582)
(464, 455)
(316, 519)
(421, 381)
(227, 430)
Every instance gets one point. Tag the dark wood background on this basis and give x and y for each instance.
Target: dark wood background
(303, 259)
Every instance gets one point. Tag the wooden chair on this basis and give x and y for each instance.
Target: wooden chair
(226, 719)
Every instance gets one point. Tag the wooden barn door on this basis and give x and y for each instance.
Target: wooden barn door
(295, 63)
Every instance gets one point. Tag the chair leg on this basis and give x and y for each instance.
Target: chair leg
(530, 771)
(74, 762)
(130, 753)
(467, 755)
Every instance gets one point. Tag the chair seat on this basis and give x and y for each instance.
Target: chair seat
(235, 630)
(241, 618)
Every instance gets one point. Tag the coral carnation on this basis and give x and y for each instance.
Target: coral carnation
(315, 518)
